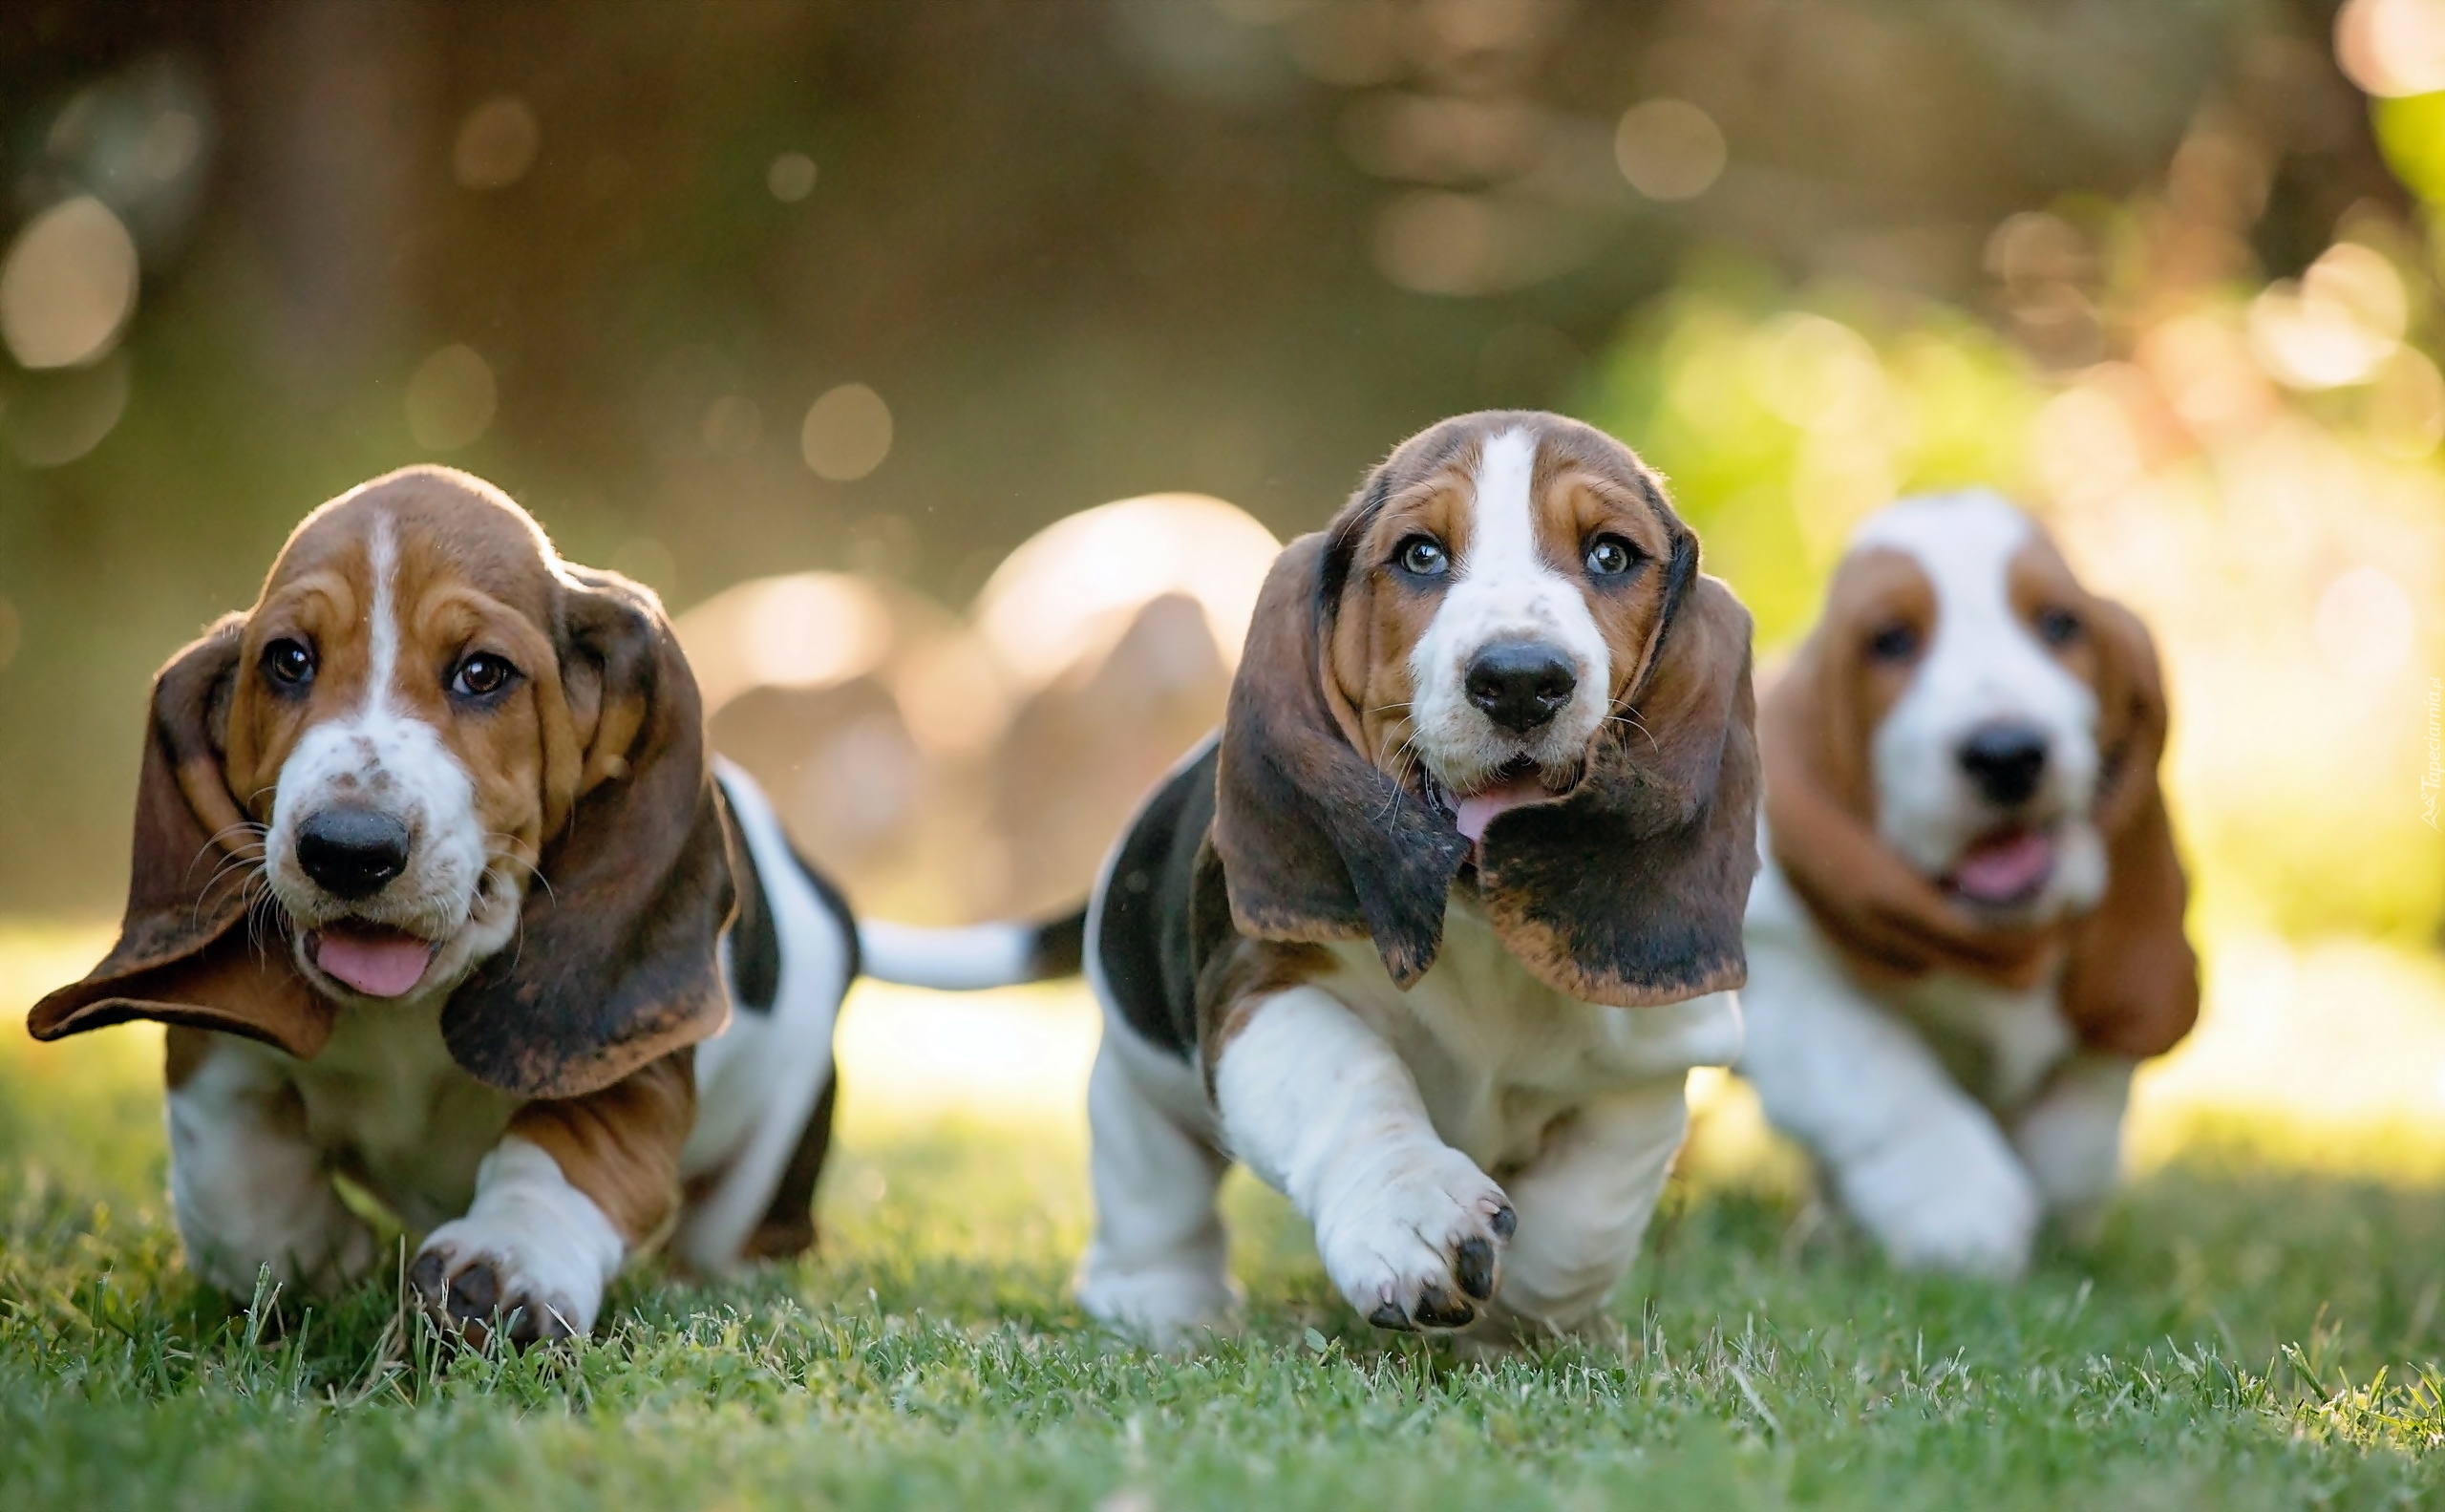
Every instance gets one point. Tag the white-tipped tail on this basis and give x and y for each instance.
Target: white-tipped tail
(959, 960)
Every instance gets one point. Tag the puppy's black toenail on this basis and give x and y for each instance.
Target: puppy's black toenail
(1506, 1222)
(476, 1293)
(1476, 1270)
(1389, 1315)
(1438, 1308)
(426, 1276)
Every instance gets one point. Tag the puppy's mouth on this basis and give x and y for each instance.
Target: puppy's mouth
(1518, 783)
(372, 958)
(2004, 868)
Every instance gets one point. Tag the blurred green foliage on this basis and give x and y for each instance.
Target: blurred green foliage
(1780, 417)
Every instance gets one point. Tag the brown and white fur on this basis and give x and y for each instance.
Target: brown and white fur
(1968, 925)
(436, 885)
(1431, 933)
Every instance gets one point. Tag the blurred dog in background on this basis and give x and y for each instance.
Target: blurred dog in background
(1969, 925)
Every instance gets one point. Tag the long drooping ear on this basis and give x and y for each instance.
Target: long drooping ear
(1317, 843)
(616, 963)
(1887, 922)
(183, 956)
(2131, 986)
(1630, 891)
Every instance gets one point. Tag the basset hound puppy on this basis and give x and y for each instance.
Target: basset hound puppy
(1432, 932)
(1968, 927)
(438, 890)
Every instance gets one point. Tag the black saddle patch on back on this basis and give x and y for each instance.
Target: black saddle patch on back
(754, 941)
(1060, 947)
(1142, 939)
(837, 904)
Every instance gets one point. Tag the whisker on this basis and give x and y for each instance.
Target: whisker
(1632, 720)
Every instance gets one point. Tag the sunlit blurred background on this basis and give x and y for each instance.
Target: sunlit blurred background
(953, 370)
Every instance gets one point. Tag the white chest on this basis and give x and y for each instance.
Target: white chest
(387, 1105)
(1501, 1059)
(1999, 1045)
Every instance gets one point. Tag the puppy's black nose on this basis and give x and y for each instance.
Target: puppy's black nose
(2004, 760)
(352, 852)
(1520, 685)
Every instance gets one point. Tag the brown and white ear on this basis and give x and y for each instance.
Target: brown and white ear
(183, 956)
(617, 960)
(1630, 891)
(1317, 843)
(2131, 985)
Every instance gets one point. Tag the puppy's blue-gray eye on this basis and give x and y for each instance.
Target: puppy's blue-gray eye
(482, 675)
(289, 664)
(1423, 557)
(2058, 627)
(1895, 642)
(1611, 556)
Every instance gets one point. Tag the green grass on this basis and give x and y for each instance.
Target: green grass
(2241, 1338)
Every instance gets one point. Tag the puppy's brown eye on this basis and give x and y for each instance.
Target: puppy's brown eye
(289, 664)
(1611, 556)
(1423, 557)
(1894, 643)
(482, 675)
(2058, 627)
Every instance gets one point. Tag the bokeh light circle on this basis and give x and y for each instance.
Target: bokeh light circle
(1669, 149)
(451, 399)
(68, 286)
(497, 144)
(847, 432)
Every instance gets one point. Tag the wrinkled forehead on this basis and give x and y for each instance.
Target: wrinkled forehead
(1457, 454)
(1875, 585)
(414, 534)
(1973, 548)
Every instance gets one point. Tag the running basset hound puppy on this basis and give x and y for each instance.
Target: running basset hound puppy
(438, 888)
(1432, 932)
(1969, 928)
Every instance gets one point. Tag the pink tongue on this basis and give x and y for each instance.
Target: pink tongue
(2000, 871)
(1478, 809)
(379, 964)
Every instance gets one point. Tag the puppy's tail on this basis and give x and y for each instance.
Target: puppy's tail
(982, 956)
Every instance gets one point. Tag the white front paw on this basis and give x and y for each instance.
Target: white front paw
(1949, 1202)
(1167, 1306)
(1416, 1242)
(324, 1254)
(477, 1273)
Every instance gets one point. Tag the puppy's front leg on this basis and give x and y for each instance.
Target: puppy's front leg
(249, 1188)
(2072, 1138)
(1918, 1162)
(572, 1191)
(1321, 1109)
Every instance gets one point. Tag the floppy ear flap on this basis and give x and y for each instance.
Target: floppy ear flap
(1317, 843)
(2131, 986)
(616, 964)
(1630, 891)
(182, 955)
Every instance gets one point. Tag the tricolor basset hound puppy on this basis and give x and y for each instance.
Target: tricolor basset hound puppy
(1968, 927)
(438, 888)
(1431, 934)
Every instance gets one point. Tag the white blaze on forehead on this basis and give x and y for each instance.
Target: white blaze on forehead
(1981, 664)
(382, 621)
(1963, 542)
(1503, 542)
(1503, 588)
